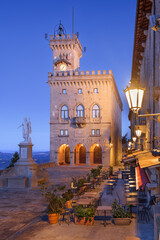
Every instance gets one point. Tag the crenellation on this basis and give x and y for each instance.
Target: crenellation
(110, 72)
(68, 36)
(87, 73)
(98, 72)
(93, 72)
(104, 71)
(57, 36)
(76, 73)
(63, 36)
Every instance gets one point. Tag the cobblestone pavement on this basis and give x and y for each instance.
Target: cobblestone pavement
(20, 207)
(19, 211)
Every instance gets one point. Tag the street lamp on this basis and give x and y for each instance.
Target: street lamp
(134, 139)
(138, 132)
(134, 94)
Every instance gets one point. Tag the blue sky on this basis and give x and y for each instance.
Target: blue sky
(106, 29)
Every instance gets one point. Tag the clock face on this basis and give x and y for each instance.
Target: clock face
(63, 67)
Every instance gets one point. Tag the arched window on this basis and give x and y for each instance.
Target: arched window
(80, 111)
(64, 112)
(95, 111)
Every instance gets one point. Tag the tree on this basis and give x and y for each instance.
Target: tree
(14, 160)
(124, 139)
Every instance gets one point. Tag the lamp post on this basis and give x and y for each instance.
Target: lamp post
(134, 94)
(134, 141)
(138, 133)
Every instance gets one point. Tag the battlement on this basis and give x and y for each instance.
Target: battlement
(63, 37)
(64, 42)
(80, 73)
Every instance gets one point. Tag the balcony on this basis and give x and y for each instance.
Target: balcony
(80, 122)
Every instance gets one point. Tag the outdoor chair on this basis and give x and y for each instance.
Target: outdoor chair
(109, 190)
(144, 213)
(66, 216)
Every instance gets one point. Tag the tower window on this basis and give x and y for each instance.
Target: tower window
(66, 132)
(64, 112)
(64, 91)
(93, 132)
(96, 111)
(80, 90)
(62, 132)
(95, 90)
(80, 111)
(98, 132)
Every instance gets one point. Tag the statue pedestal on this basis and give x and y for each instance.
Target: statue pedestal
(26, 166)
(26, 173)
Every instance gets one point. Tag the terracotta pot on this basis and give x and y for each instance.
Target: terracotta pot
(122, 221)
(53, 218)
(83, 221)
(68, 204)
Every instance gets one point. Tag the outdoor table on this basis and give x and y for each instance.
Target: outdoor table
(131, 181)
(105, 209)
(109, 187)
(132, 200)
(84, 201)
(131, 194)
(88, 184)
(90, 193)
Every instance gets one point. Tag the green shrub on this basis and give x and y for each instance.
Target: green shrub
(87, 213)
(119, 212)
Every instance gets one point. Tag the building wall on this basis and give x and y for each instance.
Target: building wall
(109, 122)
(150, 78)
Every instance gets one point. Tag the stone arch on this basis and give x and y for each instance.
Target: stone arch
(64, 155)
(95, 154)
(79, 154)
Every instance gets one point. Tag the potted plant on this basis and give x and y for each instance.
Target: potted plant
(55, 202)
(110, 169)
(120, 215)
(84, 216)
(68, 195)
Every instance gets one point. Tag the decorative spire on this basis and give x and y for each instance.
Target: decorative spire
(59, 30)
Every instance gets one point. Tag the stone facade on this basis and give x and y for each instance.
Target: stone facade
(147, 70)
(85, 110)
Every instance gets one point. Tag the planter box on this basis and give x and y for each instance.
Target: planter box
(122, 221)
(83, 221)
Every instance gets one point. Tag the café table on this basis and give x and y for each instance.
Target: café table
(106, 210)
(109, 187)
(84, 201)
(87, 184)
(133, 194)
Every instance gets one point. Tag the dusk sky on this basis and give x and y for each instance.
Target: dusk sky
(106, 29)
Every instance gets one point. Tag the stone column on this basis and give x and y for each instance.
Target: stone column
(71, 159)
(87, 159)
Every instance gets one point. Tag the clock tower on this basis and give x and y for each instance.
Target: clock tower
(67, 51)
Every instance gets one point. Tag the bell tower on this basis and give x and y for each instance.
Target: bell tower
(67, 51)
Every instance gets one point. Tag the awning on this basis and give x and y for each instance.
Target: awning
(148, 160)
(141, 178)
(132, 157)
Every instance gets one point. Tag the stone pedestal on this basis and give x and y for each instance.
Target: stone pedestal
(26, 166)
(26, 172)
